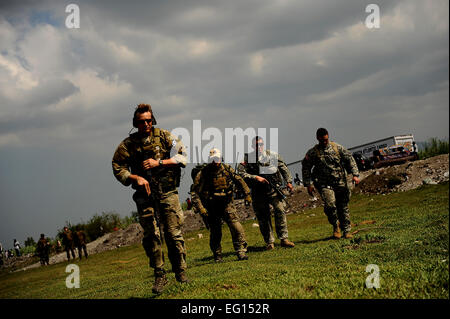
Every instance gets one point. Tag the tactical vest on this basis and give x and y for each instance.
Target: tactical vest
(161, 179)
(216, 184)
(334, 173)
(254, 169)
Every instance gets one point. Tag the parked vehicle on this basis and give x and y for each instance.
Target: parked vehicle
(396, 154)
(407, 141)
(363, 162)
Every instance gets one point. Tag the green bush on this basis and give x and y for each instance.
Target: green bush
(100, 225)
(433, 147)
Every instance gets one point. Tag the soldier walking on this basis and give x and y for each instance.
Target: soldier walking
(67, 241)
(212, 196)
(1, 254)
(326, 165)
(151, 160)
(264, 171)
(17, 247)
(80, 243)
(43, 250)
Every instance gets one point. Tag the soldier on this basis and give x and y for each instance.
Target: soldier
(67, 241)
(80, 243)
(43, 250)
(329, 163)
(263, 170)
(297, 179)
(212, 196)
(151, 160)
(17, 247)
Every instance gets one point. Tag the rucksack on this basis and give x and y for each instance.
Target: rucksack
(196, 170)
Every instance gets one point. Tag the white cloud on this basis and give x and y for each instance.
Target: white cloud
(96, 91)
(18, 79)
(123, 53)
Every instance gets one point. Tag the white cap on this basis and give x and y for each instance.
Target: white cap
(215, 155)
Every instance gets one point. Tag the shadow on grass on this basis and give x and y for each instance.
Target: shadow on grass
(211, 257)
(256, 248)
(315, 240)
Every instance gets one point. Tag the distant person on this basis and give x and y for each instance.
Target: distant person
(297, 180)
(329, 163)
(67, 241)
(415, 150)
(79, 240)
(43, 250)
(189, 203)
(1, 254)
(17, 247)
(58, 247)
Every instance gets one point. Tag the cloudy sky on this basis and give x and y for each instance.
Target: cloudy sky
(67, 95)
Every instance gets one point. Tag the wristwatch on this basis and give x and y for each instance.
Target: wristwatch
(160, 162)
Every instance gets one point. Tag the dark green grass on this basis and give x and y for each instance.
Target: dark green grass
(409, 243)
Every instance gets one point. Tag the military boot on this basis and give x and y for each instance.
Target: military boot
(336, 232)
(242, 256)
(287, 243)
(218, 258)
(182, 278)
(160, 282)
(270, 246)
(348, 236)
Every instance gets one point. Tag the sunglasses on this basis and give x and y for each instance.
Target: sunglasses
(146, 121)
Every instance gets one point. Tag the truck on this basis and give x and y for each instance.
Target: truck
(387, 151)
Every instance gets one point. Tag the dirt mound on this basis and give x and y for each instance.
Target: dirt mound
(405, 177)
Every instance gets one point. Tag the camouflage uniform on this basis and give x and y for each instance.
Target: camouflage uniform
(43, 250)
(80, 243)
(213, 190)
(162, 207)
(67, 241)
(329, 167)
(271, 166)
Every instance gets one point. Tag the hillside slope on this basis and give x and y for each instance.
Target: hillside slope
(404, 233)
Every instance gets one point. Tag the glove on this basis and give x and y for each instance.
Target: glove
(203, 212)
(248, 200)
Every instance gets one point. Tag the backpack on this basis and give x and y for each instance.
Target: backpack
(196, 170)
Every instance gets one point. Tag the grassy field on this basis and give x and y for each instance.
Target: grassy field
(409, 243)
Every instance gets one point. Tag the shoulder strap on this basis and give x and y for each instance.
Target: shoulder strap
(157, 135)
(335, 148)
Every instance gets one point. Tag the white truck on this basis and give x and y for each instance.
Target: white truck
(389, 150)
(401, 140)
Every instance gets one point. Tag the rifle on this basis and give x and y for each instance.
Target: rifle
(233, 177)
(155, 201)
(277, 189)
